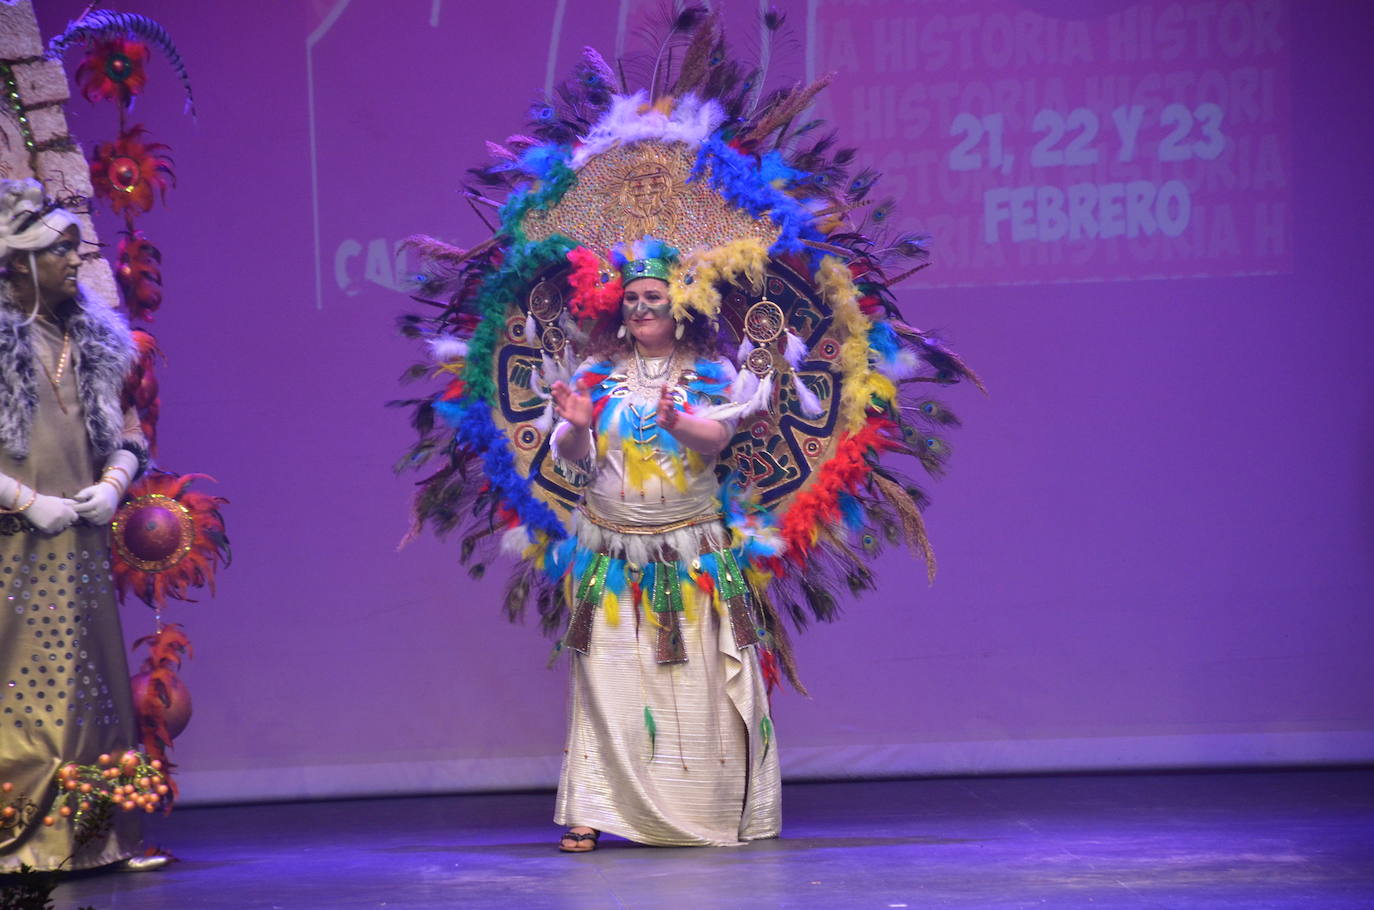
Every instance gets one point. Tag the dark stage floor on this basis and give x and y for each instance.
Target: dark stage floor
(1253, 840)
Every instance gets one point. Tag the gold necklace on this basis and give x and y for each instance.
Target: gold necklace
(55, 378)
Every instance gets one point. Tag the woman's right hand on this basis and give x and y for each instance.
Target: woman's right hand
(51, 514)
(573, 406)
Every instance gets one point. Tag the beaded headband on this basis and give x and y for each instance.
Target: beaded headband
(644, 268)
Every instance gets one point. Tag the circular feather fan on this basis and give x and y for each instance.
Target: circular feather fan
(760, 205)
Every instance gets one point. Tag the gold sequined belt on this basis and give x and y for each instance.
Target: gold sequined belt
(609, 525)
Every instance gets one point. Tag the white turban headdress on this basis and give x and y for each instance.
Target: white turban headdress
(28, 220)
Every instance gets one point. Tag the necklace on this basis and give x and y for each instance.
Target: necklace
(666, 361)
(55, 375)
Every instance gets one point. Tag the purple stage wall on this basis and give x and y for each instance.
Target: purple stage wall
(1155, 542)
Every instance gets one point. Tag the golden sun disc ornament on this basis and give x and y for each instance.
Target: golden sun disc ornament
(167, 539)
(153, 532)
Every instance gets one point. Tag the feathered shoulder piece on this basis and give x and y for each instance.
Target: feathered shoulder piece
(774, 253)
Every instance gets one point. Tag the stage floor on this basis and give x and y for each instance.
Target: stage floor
(1226, 840)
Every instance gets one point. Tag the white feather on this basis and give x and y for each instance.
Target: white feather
(641, 549)
(908, 365)
(556, 370)
(514, 541)
(545, 420)
(810, 404)
(538, 386)
(446, 348)
(692, 121)
(796, 350)
(743, 386)
(764, 396)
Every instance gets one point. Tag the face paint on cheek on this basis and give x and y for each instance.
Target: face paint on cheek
(642, 307)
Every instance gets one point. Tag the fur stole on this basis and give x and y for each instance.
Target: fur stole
(102, 355)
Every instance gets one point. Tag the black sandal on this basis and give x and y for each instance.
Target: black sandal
(579, 839)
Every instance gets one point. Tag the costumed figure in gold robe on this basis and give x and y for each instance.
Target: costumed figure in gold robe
(68, 452)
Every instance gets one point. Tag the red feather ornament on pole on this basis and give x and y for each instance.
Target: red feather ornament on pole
(129, 170)
(114, 70)
(141, 387)
(138, 269)
(162, 700)
(168, 539)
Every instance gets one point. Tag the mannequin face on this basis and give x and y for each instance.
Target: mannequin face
(56, 270)
(647, 314)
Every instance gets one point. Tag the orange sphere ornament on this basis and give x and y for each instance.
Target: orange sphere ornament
(176, 706)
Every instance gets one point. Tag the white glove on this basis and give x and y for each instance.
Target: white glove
(97, 503)
(51, 514)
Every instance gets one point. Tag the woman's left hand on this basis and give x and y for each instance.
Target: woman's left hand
(667, 410)
(97, 503)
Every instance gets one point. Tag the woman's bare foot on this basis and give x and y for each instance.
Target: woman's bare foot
(579, 839)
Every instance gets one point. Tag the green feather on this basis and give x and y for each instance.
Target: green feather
(766, 734)
(653, 731)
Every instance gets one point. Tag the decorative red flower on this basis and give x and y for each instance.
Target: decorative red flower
(138, 269)
(141, 387)
(128, 170)
(114, 70)
(168, 539)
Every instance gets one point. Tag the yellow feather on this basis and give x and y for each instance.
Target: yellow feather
(740, 259)
(610, 603)
(689, 600)
(650, 616)
(838, 287)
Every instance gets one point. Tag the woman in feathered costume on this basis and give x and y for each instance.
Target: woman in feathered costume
(646, 423)
(67, 454)
(683, 279)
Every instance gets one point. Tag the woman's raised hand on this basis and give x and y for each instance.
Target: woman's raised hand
(667, 409)
(573, 406)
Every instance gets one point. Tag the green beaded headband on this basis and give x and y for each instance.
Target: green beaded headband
(644, 268)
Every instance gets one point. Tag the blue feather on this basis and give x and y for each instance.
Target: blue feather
(883, 340)
(616, 580)
(852, 511)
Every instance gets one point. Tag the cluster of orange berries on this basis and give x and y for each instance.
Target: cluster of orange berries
(8, 813)
(129, 782)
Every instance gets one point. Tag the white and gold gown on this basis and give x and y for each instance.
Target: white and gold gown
(670, 741)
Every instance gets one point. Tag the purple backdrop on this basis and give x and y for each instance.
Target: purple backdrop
(1155, 541)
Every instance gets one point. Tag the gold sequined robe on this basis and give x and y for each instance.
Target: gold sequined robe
(64, 680)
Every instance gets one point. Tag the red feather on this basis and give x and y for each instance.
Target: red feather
(768, 663)
(596, 290)
(818, 505)
(141, 387)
